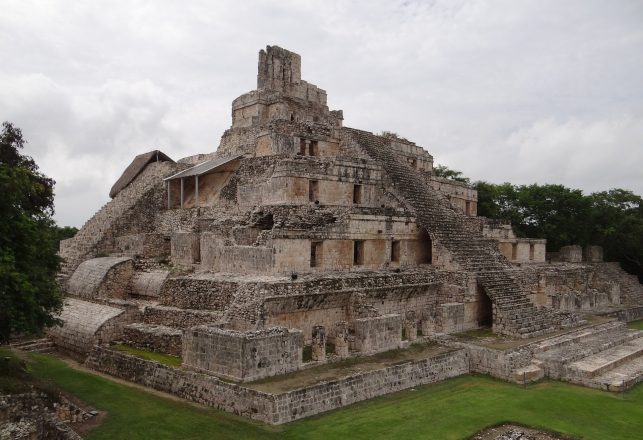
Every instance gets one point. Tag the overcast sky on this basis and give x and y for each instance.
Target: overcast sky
(519, 91)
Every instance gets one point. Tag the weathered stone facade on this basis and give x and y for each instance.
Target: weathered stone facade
(301, 234)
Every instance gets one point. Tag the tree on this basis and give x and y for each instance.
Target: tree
(29, 294)
(448, 173)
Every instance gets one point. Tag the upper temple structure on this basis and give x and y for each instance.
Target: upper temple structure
(300, 240)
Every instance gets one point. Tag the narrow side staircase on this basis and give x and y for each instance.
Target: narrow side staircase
(41, 345)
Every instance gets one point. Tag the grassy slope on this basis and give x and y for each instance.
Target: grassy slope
(172, 361)
(449, 410)
(637, 325)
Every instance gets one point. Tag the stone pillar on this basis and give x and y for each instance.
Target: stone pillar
(411, 326)
(341, 339)
(319, 343)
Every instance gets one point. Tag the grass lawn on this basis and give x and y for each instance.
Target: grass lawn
(636, 325)
(172, 361)
(453, 409)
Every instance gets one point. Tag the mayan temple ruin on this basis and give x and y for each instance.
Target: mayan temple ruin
(300, 243)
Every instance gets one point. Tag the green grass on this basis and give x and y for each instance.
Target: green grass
(453, 409)
(172, 361)
(636, 325)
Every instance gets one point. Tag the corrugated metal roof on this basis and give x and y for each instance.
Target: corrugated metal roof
(203, 168)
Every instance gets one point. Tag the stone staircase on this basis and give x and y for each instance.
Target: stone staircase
(631, 289)
(608, 356)
(513, 312)
(42, 345)
(112, 220)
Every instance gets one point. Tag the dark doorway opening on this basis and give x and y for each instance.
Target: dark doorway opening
(485, 309)
(358, 253)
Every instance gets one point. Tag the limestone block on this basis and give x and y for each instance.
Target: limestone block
(319, 343)
(242, 356)
(377, 334)
(341, 339)
(593, 254)
(411, 326)
(185, 248)
(571, 254)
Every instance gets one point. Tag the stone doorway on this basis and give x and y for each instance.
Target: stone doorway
(484, 315)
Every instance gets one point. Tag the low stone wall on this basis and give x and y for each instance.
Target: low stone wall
(631, 314)
(158, 338)
(198, 291)
(243, 356)
(179, 318)
(285, 407)
(326, 396)
(144, 245)
(197, 387)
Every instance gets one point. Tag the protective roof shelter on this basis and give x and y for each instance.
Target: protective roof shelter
(207, 167)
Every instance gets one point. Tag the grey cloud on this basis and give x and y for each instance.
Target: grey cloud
(532, 91)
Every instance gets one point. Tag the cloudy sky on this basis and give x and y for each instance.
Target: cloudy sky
(520, 91)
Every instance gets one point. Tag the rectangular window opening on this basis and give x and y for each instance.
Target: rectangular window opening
(302, 147)
(313, 149)
(358, 252)
(357, 194)
(514, 251)
(315, 253)
(531, 251)
(395, 251)
(313, 190)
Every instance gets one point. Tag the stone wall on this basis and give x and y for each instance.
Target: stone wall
(235, 259)
(381, 333)
(198, 291)
(326, 396)
(197, 387)
(242, 356)
(185, 248)
(179, 318)
(149, 245)
(148, 284)
(102, 278)
(160, 338)
(285, 407)
(630, 314)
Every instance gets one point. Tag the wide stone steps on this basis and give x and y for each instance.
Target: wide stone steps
(43, 345)
(620, 378)
(607, 360)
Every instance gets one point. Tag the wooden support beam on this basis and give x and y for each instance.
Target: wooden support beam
(182, 192)
(196, 190)
(169, 200)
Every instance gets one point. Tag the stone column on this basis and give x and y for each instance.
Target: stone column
(319, 343)
(411, 326)
(341, 339)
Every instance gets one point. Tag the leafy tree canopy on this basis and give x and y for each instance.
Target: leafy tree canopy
(29, 295)
(612, 219)
(448, 173)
